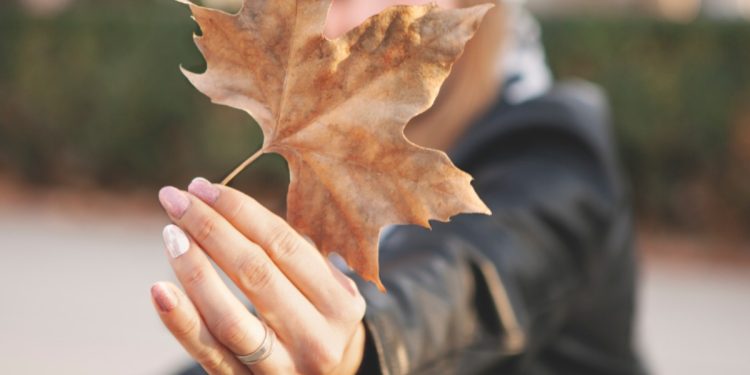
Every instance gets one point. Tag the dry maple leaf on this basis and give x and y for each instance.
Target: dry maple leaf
(336, 111)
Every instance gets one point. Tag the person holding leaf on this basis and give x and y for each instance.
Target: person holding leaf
(543, 285)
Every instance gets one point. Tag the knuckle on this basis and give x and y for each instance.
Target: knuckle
(205, 229)
(283, 243)
(357, 309)
(348, 310)
(348, 313)
(254, 273)
(188, 329)
(325, 358)
(237, 212)
(195, 276)
(231, 331)
(211, 360)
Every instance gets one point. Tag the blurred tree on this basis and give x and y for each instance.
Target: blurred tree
(223, 4)
(583, 7)
(95, 97)
(681, 100)
(726, 8)
(674, 10)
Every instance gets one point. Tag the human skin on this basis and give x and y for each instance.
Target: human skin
(314, 309)
(347, 14)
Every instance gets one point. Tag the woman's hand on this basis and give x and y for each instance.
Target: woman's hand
(314, 310)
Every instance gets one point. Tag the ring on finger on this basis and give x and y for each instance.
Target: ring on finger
(264, 349)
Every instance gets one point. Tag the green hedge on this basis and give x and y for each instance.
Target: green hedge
(680, 95)
(95, 97)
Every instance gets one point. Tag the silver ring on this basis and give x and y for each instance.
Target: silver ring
(264, 349)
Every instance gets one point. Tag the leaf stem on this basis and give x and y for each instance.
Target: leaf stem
(242, 166)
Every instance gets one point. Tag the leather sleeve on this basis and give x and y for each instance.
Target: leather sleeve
(486, 290)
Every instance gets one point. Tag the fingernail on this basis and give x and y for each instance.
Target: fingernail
(204, 189)
(174, 201)
(175, 240)
(164, 297)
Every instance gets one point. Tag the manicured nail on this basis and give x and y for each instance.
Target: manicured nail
(164, 297)
(174, 201)
(175, 240)
(204, 189)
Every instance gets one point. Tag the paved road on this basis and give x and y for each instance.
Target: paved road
(75, 296)
(74, 300)
(695, 320)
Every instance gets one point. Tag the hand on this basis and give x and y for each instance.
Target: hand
(314, 309)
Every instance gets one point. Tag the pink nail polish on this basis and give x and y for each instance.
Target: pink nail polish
(164, 297)
(174, 201)
(205, 190)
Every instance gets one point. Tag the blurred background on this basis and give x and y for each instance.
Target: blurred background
(95, 117)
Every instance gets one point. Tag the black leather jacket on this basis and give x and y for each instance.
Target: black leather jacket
(546, 284)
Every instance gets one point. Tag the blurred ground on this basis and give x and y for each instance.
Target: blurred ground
(695, 305)
(74, 283)
(75, 292)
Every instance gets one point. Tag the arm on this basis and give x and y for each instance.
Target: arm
(482, 290)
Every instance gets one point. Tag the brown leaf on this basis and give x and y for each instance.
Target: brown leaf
(336, 110)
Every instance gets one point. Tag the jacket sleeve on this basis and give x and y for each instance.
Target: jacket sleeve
(483, 290)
